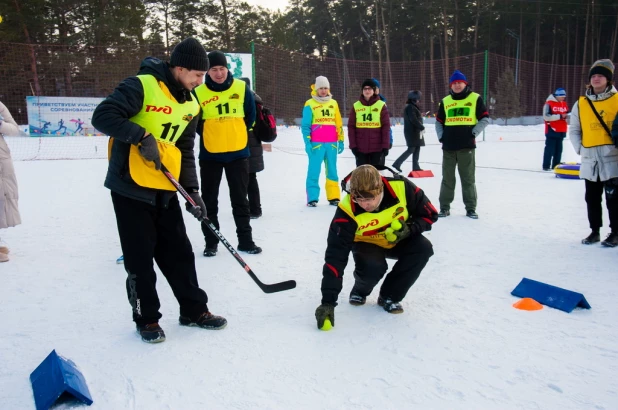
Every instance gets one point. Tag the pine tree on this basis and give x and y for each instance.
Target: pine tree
(507, 96)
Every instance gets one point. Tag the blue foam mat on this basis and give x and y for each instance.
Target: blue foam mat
(552, 296)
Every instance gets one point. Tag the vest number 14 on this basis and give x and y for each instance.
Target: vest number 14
(367, 117)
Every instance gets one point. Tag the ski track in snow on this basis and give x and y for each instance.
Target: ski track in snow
(459, 344)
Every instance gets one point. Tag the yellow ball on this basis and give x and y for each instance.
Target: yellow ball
(396, 225)
(327, 325)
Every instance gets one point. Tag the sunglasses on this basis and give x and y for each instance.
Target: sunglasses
(360, 200)
(367, 89)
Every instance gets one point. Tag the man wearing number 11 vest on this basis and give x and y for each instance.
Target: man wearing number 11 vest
(228, 113)
(151, 120)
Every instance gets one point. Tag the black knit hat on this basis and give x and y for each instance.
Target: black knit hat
(217, 58)
(190, 54)
(370, 82)
(414, 95)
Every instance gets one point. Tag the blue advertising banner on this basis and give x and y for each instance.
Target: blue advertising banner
(61, 116)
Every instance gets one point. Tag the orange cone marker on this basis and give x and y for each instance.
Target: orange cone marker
(527, 304)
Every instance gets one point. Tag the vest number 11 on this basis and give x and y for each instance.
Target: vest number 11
(166, 130)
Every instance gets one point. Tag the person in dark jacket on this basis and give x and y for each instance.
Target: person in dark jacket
(369, 127)
(380, 218)
(461, 117)
(151, 119)
(413, 130)
(383, 98)
(228, 113)
(256, 164)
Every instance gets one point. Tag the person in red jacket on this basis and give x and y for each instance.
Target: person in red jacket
(369, 127)
(554, 113)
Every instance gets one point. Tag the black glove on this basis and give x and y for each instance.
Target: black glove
(149, 150)
(324, 312)
(385, 152)
(198, 211)
(355, 152)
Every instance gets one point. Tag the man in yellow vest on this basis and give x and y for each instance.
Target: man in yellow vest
(228, 113)
(461, 117)
(380, 218)
(151, 120)
(594, 135)
(322, 129)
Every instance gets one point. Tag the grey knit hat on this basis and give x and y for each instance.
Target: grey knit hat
(190, 54)
(604, 67)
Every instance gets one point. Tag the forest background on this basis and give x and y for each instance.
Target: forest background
(514, 52)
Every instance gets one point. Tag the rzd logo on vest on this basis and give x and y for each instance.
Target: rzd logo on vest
(373, 222)
(165, 110)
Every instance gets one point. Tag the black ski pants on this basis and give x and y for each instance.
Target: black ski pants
(157, 232)
(371, 158)
(253, 191)
(415, 152)
(594, 199)
(237, 175)
(552, 155)
(411, 254)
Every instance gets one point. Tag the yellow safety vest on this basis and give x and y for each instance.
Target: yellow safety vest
(165, 119)
(323, 113)
(223, 112)
(371, 226)
(368, 116)
(460, 112)
(593, 133)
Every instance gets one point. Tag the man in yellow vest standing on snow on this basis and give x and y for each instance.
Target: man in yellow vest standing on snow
(461, 117)
(228, 113)
(151, 120)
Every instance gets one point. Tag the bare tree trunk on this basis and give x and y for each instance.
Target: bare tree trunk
(456, 28)
(575, 79)
(388, 62)
(445, 30)
(379, 38)
(581, 74)
(432, 73)
(226, 26)
(552, 67)
(35, 75)
(476, 35)
(537, 50)
(612, 53)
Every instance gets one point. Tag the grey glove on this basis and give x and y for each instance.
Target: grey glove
(198, 211)
(149, 150)
(324, 312)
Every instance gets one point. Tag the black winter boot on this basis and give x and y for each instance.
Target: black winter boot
(389, 305)
(210, 251)
(444, 213)
(356, 299)
(611, 240)
(151, 333)
(206, 321)
(251, 249)
(594, 237)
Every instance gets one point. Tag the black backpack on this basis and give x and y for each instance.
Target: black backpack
(265, 128)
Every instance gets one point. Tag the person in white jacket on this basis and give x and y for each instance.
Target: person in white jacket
(9, 211)
(597, 143)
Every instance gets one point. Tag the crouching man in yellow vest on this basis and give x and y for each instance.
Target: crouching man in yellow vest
(379, 218)
(151, 119)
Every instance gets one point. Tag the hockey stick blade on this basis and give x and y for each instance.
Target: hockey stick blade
(266, 288)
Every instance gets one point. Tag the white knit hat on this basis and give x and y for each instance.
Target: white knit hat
(321, 82)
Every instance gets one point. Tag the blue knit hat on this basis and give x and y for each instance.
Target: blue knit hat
(377, 82)
(560, 92)
(457, 76)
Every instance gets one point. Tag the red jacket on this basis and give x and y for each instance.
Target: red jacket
(552, 114)
(368, 140)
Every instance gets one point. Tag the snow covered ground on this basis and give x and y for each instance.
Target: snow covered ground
(459, 345)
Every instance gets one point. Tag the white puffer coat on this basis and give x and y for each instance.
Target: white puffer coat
(598, 163)
(9, 212)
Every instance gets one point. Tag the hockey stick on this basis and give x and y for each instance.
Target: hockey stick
(275, 287)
